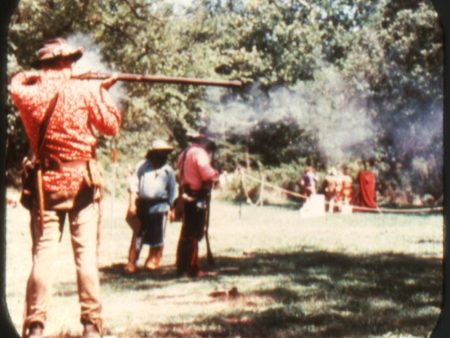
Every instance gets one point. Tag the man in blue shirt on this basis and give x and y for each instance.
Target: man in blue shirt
(152, 189)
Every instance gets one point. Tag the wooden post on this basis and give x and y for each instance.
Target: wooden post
(261, 191)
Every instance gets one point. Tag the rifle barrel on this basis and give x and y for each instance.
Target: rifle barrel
(157, 79)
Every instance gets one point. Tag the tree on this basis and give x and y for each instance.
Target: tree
(381, 59)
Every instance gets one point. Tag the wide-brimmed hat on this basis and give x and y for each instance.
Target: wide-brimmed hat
(160, 146)
(195, 135)
(58, 49)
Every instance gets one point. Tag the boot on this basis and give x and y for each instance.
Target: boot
(35, 330)
(91, 331)
(154, 258)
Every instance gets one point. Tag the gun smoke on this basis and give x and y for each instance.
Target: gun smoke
(331, 111)
(330, 108)
(419, 149)
(92, 60)
(344, 125)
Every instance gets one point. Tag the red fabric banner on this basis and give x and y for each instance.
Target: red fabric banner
(366, 196)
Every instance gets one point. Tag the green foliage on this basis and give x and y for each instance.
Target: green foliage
(388, 53)
(281, 142)
(269, 44)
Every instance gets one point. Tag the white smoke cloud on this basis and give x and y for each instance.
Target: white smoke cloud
(419, 146)
(420, 136)
(332, 111)
(92, 61)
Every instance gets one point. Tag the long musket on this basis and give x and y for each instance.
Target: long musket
(157, 79)
(209, 255)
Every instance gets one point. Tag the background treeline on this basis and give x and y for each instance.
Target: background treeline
(346, 80)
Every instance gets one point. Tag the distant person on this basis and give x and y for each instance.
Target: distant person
(366, 196)
(346, 186)
(330, 187)
(390, 193)
(196, 177)
(308, 182)
(152, 189)
(60, 116)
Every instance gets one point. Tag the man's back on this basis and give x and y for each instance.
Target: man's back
(78, 109)
(194, 167)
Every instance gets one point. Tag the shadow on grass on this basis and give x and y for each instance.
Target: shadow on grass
(354, 296)
(115, 277)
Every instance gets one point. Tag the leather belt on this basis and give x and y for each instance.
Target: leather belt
(152, 200)
(51, 164)
(195, 193)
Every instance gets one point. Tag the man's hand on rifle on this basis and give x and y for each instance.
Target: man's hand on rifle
(172, 215)
(109, 82)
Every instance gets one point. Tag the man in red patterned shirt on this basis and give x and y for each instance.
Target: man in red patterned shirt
(71, 110)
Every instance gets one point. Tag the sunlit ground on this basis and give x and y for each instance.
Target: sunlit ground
(276, 275)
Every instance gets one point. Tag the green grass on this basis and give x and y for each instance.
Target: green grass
(276, 275)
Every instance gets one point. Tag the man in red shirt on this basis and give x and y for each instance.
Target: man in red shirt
(68, 111)
(196, 177)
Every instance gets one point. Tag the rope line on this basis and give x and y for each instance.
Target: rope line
(354, 207)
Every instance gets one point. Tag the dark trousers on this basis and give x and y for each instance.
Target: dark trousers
(192, 231)
(152, 225)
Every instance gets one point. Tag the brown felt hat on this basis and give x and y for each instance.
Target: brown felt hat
(195, 135)
(58, 49)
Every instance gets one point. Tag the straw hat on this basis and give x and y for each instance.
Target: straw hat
(160, 146)
(58, 48)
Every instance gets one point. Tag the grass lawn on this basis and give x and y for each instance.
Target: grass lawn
(276, 275)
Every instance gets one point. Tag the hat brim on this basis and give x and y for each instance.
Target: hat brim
(160, 150)
(74, 56)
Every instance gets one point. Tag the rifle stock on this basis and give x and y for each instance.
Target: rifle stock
(157, 79)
